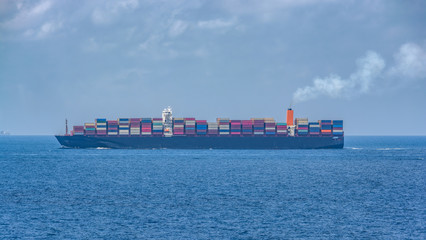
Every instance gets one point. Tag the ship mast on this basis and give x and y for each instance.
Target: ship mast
(66, 127)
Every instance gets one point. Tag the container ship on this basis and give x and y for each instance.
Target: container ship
(189, 133)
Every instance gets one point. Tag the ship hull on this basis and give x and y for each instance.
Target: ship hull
(204, 142)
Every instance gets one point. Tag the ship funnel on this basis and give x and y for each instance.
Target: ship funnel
(290, 117)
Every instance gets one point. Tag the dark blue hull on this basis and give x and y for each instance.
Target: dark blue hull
(204, 142)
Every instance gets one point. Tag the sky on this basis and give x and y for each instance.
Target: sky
(360, 61)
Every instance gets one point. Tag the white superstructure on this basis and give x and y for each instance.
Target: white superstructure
(168, 121)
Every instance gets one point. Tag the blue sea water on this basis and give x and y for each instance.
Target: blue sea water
(374, 188)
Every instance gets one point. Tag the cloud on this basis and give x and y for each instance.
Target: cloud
(410, 62)
(43, 31)
(28, 15)
(177, 28)
(369, 69)
(265, 10)
(150, 42)
(48, 28)
(95, 45)
(216, 23)
(111, 10)
(201, 52)
(409, 65)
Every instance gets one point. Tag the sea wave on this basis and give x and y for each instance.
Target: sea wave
(388, 149)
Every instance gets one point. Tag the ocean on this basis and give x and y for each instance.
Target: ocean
(374, 188)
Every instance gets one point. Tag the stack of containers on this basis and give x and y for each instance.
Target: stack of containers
(157, 126)
(201, 127)
(314, 128)
(112, 128)
(189, 126)
(258, 126)
(269, 126)
(235, 127)
(146, 124)
(247, 127)
(101, 126)
(212, 128)
(223, 126)
(77, 130)
(302, 126)
(89, 129)
(135, 126)
(178, 126)
(337, 127)
(123, 126)
(325, 127)
(282, 128)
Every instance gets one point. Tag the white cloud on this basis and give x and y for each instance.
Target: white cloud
(147, 44)
(177, 28)
(92, 45)
(111, 10)
(48, 28)
(410, 62)
(201, 52)
(28, 15)
(100, 16)
(127, 4)
(19, 5)
(44, 30)
(216, 23)
(265, 9)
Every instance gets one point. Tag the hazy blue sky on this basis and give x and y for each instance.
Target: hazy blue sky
(360, 61)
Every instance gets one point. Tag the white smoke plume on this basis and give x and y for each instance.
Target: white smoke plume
(410, 63)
